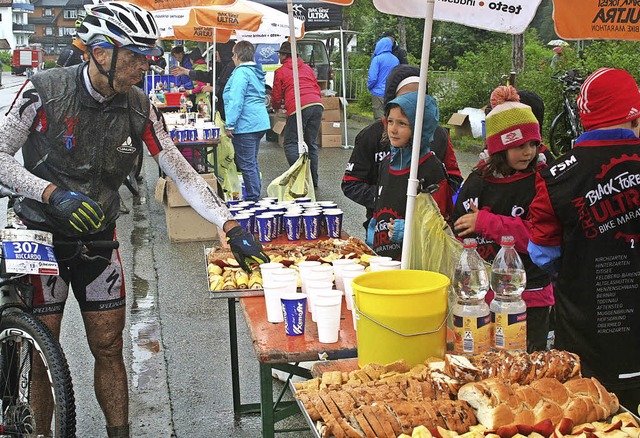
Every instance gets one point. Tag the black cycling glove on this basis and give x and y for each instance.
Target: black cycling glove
(245, 248)
(83, 213)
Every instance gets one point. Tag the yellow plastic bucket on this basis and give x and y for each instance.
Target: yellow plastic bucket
(400, 315)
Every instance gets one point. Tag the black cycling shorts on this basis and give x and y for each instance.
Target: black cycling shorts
(97, 285)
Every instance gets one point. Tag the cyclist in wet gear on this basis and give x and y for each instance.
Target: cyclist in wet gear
(71, 125)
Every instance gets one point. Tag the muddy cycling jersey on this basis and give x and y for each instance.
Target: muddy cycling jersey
(588, 204)
(73, 137)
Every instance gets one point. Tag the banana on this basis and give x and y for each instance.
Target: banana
(255, 280)
(215, 282)
(242, 279)
(228, 278)
(212, 268)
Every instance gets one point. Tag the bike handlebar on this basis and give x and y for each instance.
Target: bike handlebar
(94, 244)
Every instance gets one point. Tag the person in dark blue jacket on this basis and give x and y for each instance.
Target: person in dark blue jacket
(382, 63)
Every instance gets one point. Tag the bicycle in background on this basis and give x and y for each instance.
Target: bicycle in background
(566, 126)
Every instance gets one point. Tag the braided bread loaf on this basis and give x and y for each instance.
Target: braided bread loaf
(499, 403)
(524, 368)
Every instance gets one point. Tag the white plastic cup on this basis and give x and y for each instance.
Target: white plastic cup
(304, 268)
(267, 268)
(272, 293)
(287, 276)
(374, 261)
(315, 288)
(349, 272)
(389, 265)
(327, 313)
(338, 264)
(322, 272)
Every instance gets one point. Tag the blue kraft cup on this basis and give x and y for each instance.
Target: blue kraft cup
(294, 310)
(311, 225)
(293, 226)
(265, 227)
(333, 219)
(302, 200)
(231, 202)
(181, 135)
(192, 134)
(245, 221)
(215, 133)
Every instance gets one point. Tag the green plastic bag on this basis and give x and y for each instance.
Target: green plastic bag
(227, 172)
(433, 247)
(295, 183)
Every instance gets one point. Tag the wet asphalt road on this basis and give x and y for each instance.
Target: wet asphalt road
(176, 339)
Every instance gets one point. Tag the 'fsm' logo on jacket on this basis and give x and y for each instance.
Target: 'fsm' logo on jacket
(69, 136)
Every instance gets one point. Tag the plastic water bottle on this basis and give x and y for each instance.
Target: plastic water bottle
(471, 315)
(508, 309)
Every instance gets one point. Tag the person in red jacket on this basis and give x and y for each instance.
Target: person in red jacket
(310, 101)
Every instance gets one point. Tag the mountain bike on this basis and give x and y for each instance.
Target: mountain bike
(27, 345)
(566, 126)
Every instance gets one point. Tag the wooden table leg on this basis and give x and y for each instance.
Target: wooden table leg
(266, 400)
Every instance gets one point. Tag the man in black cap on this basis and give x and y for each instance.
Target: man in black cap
(397, 50)
(360, 179)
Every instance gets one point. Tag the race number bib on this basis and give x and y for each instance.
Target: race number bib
(28, 252)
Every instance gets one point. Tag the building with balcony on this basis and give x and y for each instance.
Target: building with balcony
(14, 22)
(54, 23)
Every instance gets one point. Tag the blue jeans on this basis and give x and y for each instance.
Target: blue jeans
(311, 120)
(246, 159)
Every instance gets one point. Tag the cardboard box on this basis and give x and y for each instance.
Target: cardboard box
(183, 223)
(331, 141)
(333, 115)
(278, 128)
(461, 124)
(331, 103)
(331, 128)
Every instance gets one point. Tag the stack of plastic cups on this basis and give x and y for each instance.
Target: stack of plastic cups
(315, 288)
(349, 272)
(272, 291)
(304, 268)
(328, 308)
(318, 274)
(338, 264)
(287, 276)
(373, 262)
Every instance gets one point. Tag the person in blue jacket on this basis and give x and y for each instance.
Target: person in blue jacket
(382, 63)
(247, 119)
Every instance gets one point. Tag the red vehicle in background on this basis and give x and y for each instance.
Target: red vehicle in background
(26, 60)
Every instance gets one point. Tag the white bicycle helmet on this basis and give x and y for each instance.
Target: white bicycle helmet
(121, 24)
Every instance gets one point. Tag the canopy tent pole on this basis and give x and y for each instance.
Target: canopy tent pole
(346, 144)
(412, 186)
(302, 146)
(213, 79)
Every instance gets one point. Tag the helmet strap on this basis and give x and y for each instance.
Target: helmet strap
(112, 69)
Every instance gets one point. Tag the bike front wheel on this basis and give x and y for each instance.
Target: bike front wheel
(25, 344)
(561, 137)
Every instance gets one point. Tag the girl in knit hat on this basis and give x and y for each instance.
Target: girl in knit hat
(391, 197)
(494, 200)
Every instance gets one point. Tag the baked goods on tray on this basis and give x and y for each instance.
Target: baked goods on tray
(498, 403)
(225, 274)
(542, 392)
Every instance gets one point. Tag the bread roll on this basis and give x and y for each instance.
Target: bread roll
(499, 403)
